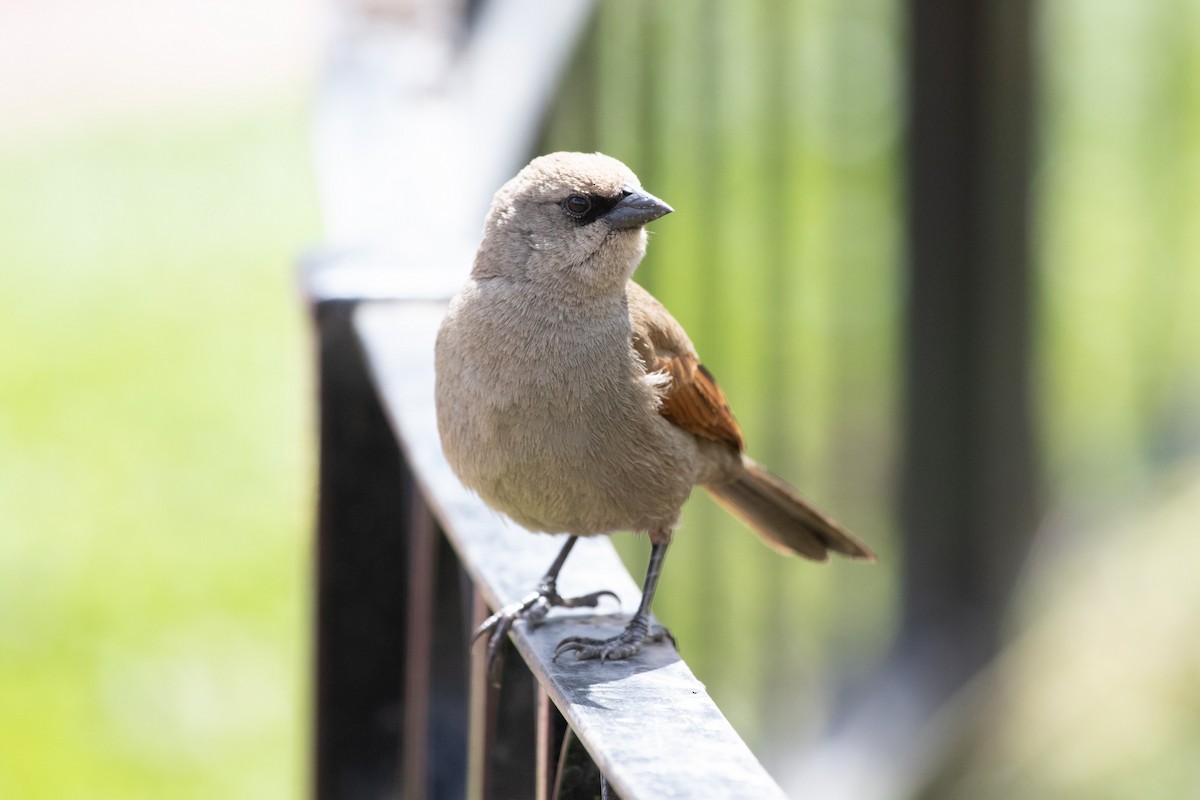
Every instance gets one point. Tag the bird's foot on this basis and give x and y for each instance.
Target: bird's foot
(533, 609)
(625, 644)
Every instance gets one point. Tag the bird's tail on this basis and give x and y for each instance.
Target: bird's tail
(783, 518)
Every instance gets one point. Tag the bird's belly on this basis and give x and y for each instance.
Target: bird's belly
(556, 468)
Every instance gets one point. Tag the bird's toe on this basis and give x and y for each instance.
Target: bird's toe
(626, 644)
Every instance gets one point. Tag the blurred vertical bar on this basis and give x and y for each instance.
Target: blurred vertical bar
(784, 644)
(422, 582)
(706, 595)
(571, 123)
(502, 761)
(779, 210)
(969, 485)
(433, 755)
(449, 692)
(362, 574)
(1167, 331)
(650, 95)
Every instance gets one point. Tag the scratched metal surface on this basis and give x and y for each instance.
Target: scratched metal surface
(647, 722)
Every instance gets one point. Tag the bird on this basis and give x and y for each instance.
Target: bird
(569, 399)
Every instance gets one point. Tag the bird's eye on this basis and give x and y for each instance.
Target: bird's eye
(577, 205)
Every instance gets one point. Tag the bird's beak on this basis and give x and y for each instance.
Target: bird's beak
(635, 209)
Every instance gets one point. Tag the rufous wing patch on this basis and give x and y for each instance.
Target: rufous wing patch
(696, 403)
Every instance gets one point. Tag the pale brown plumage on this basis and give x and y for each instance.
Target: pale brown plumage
(570, 399)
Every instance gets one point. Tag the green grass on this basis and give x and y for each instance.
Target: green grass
(155, 482)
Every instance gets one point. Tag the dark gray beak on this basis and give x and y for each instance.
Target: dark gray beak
(635, 209)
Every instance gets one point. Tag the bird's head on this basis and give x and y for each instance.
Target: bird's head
(574, 214)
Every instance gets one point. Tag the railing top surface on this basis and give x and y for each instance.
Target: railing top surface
(648, 723)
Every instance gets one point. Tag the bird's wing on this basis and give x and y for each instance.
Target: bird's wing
(696, 403)
(693, 401)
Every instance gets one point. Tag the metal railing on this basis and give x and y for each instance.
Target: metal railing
(425, 109)
(409, 562)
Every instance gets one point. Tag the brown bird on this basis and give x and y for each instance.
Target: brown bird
(569, 398)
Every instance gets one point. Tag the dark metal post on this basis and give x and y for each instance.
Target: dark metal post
(391, 623)
(969, 487)
(362, 569)
(448, 674)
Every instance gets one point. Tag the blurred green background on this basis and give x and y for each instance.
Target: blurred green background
(155, 445)
(156, 481)
(775, 129)
(156, 470)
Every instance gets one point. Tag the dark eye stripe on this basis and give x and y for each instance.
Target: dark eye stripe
(600, 206)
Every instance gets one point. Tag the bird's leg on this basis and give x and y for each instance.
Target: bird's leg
(532, 608)
(638, 631)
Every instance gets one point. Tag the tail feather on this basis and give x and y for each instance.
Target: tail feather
(784, 519)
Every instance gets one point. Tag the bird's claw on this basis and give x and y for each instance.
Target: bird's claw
(533, 609)
(624, 645)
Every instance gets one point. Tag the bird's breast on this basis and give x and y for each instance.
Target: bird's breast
(553, 421)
